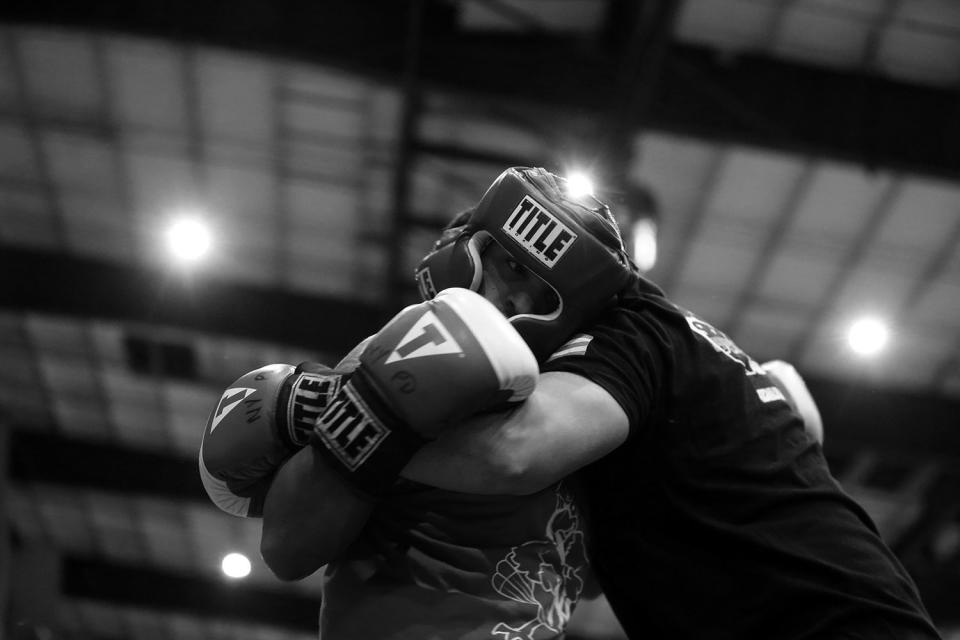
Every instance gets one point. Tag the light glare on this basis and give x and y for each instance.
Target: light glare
(868, 336)
(188, 239)
(235, 565)
(644, 233)
(579, 184)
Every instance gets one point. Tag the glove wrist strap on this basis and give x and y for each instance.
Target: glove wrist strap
(304, 396)
(362, 437)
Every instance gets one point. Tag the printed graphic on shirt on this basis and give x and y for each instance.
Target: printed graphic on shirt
(727, 347)
(548, 579)
(719, 341)
(575, 346)
(770, 394)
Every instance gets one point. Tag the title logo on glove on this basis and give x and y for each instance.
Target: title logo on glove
(349, 430)
(311, 393)
(428, 290)
(539, 232)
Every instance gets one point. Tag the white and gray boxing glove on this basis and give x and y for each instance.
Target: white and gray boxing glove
(432, 365)
(262, 419)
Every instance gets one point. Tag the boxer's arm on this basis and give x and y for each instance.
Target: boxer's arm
(568, 422)
(427, 368)
(310, 515)
(308, 497)
(565, 424)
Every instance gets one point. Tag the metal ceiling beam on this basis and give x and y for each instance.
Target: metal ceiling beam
(774, 238)
(869, 230)
(742, 98)
(158, 590)
(745, 98)
(458, 153)
(671, 272)
(52, 459)
(639, 34)
(41, 152)
(53, 283)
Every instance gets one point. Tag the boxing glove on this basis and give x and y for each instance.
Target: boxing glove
(261, 420)
(432, 365)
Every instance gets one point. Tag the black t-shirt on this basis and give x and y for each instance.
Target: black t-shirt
(718, 517)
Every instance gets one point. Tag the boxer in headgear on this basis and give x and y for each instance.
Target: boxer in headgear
(711, 505)
(570, 243)
(488, 565)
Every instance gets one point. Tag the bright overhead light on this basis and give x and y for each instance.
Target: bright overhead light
(188, 239)
(579, 184)
(235, 565)
(868, 336)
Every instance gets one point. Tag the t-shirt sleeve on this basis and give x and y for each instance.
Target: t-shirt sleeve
(622, 353)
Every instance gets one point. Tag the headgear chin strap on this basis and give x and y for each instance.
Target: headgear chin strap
(570, 243)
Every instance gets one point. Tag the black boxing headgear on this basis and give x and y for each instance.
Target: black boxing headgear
(571, 243)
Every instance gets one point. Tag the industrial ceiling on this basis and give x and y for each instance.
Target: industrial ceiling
(803, 156)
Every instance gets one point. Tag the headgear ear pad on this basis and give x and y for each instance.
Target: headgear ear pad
(574, 248)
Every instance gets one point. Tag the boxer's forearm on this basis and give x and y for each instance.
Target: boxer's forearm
(565, 424)
(310, 516)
